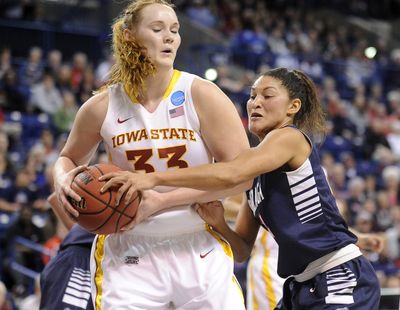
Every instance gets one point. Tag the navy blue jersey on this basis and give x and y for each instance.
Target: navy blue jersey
(298, 208)
(65, 281)
(77, 236)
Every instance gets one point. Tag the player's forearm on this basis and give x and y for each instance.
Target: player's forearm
(59, 211)
(210, 177)
(62, 166)
(184, 196)
(241, 249)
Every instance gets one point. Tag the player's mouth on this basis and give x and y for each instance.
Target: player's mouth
(167, 51)
(255, 116)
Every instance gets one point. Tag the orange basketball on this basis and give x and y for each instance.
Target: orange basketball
(98, 212)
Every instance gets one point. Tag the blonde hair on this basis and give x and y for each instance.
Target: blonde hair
(132, 64)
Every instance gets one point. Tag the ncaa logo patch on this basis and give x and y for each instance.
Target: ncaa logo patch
(178, 98)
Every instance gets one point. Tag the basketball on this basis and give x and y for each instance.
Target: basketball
(98, 212)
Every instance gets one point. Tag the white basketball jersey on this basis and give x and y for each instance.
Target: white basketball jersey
(168, 138)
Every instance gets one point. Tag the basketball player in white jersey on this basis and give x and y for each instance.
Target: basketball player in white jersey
(151, 117)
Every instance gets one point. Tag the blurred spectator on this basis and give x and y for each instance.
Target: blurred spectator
(32, 301)
(199, 12)
(383, 213)
(6, 183)
(24, 227)
(391, 183)
(87, 85)
(31, 70)
(53, 243)
(6, 300)
(5, 61)
(65, 115)
(355, 200)
(337, 180)
(357, 113)
(374, 137)
(64, 78)
(46, 98)
(47, 145)
(103, 70)
(393, 139)
(392, 80)
(54, 62)
(249, 45)
(19, 9)
(13, 96)
(79, 64)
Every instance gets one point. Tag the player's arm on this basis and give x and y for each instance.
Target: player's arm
(60, 213)
(243, 237)
(369, 241)
(81, 145)
(279, 147)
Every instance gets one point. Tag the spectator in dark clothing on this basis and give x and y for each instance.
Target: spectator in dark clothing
(12, 94)
(25, 228)
(374, 136)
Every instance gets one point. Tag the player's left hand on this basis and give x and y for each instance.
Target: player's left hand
(128, 183)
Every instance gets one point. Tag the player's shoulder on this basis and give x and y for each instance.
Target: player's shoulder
(202, 84)
(207, 92)
(97, 104)
(287, 136)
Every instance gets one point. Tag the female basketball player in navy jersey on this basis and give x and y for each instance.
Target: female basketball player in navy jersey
(152, 117)
(290, 197)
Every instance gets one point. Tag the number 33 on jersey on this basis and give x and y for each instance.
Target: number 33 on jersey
(143, 141)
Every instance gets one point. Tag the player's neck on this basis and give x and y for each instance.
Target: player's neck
(156, 86)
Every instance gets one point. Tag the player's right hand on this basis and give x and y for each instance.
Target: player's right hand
(63, 190)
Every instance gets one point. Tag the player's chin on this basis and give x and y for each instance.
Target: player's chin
(166, 61)
(255, 127)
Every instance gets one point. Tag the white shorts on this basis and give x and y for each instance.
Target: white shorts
(264, 286)
(187, 271)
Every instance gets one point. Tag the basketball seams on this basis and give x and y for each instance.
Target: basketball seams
(106, 205)
(110, 218)
(123, 211)
(115, 211)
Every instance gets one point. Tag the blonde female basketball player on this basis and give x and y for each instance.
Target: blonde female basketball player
(154, 118)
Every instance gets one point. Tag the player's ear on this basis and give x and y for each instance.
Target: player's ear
(128, 35)
(294, 106)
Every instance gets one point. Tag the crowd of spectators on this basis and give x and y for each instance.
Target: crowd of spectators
(361, 96)
(40, 96)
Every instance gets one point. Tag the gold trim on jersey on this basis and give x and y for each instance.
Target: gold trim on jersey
(174, 79)
(172, 83)
(252, 285)
(266, 272)
(98, 277)
(225, 245)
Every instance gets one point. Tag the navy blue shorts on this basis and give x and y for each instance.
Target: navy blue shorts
(65, 281)
(350, 286)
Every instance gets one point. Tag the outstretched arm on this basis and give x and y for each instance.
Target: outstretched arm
(286, 144)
